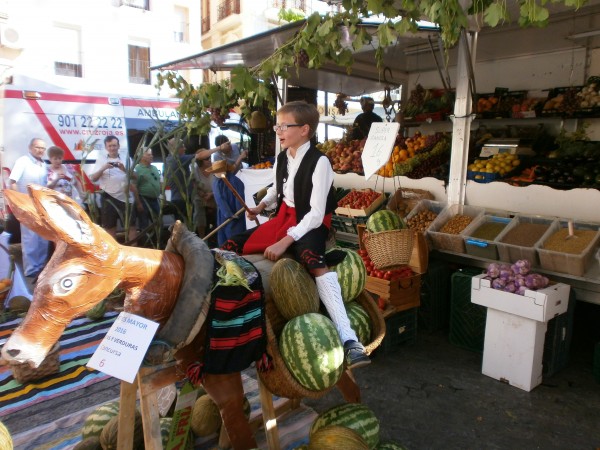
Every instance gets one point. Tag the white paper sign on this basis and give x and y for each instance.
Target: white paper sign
(122, 350)
(379, 146)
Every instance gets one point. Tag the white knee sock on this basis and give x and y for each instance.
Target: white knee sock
(331, 296)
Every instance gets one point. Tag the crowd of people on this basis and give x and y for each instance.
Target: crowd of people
(130, 194)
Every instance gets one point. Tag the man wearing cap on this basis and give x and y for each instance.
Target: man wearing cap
(362, 123)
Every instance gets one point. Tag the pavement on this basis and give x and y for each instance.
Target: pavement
(431, 394)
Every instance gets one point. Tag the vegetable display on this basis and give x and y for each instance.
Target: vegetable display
(515, 278)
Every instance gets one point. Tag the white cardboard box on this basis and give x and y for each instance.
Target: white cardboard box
(541, 305)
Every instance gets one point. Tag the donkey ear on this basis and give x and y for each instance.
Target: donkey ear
(65, 219)
(23, 208)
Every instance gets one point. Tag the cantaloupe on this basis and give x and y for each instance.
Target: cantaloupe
(336, 437)
(206, 418)
(293, 289)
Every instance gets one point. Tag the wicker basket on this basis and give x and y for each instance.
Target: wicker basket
(280, 381)
(24, 373)
(389, 248)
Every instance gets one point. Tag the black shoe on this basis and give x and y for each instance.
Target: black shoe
(355, 355)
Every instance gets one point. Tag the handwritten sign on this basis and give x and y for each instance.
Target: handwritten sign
(122, 350)
(379, 146)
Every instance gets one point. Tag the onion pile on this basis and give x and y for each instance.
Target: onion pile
(515, 278)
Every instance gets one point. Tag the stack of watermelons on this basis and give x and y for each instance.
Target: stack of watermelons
(351, 426)
(308, 340)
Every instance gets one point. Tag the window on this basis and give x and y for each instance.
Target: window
(286, 4)
(140, 4)
(205, 16)
(181, 31)
(139, 64)
(66, 44)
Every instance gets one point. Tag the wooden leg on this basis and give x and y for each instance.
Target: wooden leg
(150, 416)
(269, 417)
(126, 415)
(348, 387)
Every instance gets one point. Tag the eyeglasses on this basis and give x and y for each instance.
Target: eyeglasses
(37, 147)
(284, 127)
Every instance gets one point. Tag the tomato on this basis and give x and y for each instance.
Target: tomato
(387, 275)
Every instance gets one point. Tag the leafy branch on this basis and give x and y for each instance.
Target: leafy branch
(332, 38)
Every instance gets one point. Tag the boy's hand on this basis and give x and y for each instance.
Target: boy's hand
(275, 251)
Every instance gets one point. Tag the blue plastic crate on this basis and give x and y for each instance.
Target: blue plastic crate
(467, 320)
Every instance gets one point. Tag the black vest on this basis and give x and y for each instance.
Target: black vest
(303, 185)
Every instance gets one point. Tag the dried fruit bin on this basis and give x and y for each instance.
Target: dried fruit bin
(484, 248)
(422, 206)
(563, 262)
(508, 252)
(446, 241)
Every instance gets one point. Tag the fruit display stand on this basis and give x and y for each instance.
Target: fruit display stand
(515, 330)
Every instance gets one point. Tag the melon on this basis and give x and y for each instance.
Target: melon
(360, 322)
(6, 441)
(389, 446)
(206, 418)
(351, 274)
(312, 351)
(109, 435)
(336, 438)
(91, 443)
(355, 416)
(94, 423)
(294, 291)
(384, 220)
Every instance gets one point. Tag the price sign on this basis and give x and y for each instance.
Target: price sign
(379, 146)
(122, 350)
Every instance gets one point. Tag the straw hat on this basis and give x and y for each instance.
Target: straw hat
(219, 167)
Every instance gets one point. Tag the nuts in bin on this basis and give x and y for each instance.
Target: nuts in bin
(421, 220)
(456, 224)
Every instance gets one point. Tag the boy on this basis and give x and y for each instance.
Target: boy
(304, 195)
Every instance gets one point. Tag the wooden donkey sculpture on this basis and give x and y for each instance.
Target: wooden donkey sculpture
(87, 265)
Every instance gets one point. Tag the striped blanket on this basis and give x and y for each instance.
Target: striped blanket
(78, 342)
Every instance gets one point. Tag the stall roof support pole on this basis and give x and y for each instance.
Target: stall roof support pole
(461, 128)
(282, 87)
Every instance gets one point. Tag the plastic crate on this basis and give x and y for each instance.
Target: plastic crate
(434, 312)
(557, 342)
(401, 328)
(573, 264)
(483, 248)
(467, 320)
(345, 224)
(596, 366)
(426, 205)
(513, 253)
(451, 242)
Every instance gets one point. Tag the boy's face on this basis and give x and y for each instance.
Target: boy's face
(293, 137)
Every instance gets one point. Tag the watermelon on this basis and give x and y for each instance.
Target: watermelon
(336, 437)
(6, 441)
(294, 290)
(91, 443)
(355, 416)
(351, 274)
(206, 418)
(312, 351)
(384, 220)
(389, 446)
(109, 435)
(360, 321)
(98, 418)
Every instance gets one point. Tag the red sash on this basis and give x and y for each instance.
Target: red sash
(274, 230)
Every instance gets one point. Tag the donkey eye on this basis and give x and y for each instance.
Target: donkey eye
(66, 284)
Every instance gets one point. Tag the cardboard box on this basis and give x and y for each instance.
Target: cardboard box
(541, 305)
(351, 212)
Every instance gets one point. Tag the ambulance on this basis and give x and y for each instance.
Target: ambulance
(75, 121)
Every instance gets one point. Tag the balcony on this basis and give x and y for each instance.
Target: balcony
(287, 4)
(227, 8)
(205, 24)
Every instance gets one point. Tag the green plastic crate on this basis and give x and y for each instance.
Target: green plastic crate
(596, 369)
(467, 320)
(557, 342)
(434, 312)
(400, 328)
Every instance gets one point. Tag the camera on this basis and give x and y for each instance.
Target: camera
(114, 164)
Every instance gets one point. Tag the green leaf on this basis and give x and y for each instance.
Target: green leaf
(494, 14)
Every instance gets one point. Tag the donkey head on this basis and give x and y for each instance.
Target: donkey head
(83, 270)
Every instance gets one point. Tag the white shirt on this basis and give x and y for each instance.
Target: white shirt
(322, 180)
(113, 181)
